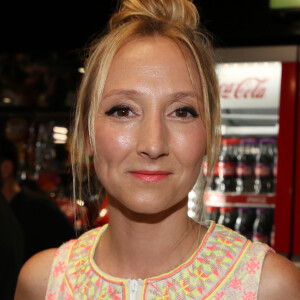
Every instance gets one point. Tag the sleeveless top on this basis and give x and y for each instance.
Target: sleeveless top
(225, 266)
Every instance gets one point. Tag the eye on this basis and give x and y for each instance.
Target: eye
(185, 112)
(119, 111)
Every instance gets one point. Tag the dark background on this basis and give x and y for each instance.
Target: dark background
(49, 26)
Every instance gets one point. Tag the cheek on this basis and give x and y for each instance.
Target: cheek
(191, 146)
(111, 144)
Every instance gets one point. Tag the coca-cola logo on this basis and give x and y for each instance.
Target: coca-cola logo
(225, 169)
(251, 87)
(243, 170)
(262, 170)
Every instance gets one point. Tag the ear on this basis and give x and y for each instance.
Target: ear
(7, 168)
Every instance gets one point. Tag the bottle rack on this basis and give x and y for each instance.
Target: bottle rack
(218, 199)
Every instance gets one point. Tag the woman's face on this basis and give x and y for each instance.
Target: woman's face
(150, 138)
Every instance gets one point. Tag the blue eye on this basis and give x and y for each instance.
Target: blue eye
(185, 112)
(119, 111)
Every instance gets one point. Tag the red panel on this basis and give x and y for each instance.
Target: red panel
(286, 146)
(296, 236)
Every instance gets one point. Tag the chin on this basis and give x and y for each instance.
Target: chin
(149, 208)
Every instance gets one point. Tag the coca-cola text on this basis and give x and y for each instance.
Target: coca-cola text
(251, 87)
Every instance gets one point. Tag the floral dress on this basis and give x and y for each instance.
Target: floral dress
(225, 266)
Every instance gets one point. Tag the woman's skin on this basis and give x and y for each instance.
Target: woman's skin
(150, 140)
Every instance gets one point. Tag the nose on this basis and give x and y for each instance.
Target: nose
(153, 138)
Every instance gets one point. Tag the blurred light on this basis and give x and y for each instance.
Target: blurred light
(6, 100)
(81, 70)
(103, 212)
(191, 204)
(94, 197)
(23, 175)
(62, 130)
(191, 214)
(80, 202)
(192, 195)
(59, 136)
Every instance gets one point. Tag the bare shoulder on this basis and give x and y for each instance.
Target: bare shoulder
(280, 279)
(33, 277)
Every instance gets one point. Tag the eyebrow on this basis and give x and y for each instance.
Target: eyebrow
(129, 93)
(183, 94)
(121, 92)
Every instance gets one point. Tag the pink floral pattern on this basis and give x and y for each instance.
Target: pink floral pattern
(249, 296)
(59, 268)
(235, 284)
(219, 296)
(68, 297)
(51, 296)
(225, 266)
(253, 265)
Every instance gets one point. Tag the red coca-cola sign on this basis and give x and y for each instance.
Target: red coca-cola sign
(251, 87)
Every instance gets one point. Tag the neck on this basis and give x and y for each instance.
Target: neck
(143, 246)
(9, 189)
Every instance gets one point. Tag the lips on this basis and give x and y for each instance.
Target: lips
(150, 176)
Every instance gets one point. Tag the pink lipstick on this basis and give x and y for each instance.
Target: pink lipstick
(150, 176)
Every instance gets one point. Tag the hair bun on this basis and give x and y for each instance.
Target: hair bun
(181, 12)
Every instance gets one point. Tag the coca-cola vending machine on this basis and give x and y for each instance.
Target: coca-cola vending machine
(255, 174)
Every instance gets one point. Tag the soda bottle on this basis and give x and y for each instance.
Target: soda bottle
(227, 216)
(245, 220)
(264, 179)
(262, 227)
(212, 213)
(215, 175)
(245, 166)
(225, 174)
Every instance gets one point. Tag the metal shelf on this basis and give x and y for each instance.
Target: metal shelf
(239, 200)
(250, 130)
(235, 116)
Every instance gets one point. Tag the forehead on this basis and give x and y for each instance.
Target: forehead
(152, 57)
(156, 46)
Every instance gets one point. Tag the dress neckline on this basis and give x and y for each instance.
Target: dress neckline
(210, 227)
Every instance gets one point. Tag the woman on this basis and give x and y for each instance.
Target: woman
(148, 112)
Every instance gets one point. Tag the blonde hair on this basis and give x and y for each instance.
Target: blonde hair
(174, 19)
